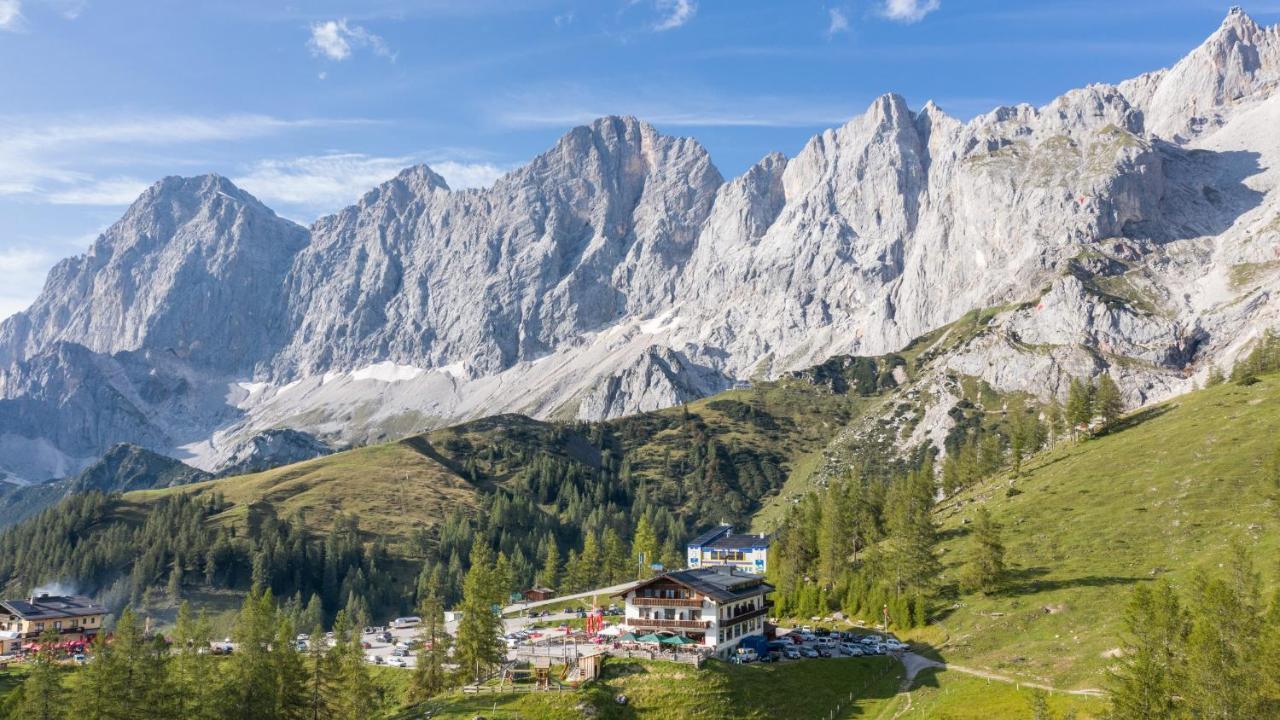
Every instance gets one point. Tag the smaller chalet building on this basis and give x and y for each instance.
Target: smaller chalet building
(716, 607)
(721, 546)
(76, 618)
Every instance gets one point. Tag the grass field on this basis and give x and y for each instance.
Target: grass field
(949, 695)
(1163, 495)
(671, 691)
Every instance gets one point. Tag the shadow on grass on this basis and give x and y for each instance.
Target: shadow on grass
(954, 533)
(1026, 581)
(1131, 421)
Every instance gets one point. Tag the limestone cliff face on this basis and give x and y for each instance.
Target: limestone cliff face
(1130, 228)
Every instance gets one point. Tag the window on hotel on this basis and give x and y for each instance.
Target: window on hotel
(57, 624)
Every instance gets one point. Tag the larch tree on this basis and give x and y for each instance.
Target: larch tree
(1108, 402)
(1146, 680)
(429, 677)
(985, 570)
(43, 696)
(644, 547)
(479, 647)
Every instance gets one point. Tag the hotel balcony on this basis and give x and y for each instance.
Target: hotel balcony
(747, 615)
(667, 602)
(661, 624)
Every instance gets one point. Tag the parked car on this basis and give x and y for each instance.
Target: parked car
(397, 662)
(792, 653)
(851, 649)
(809, 652)
(771, 657)
(896, 645)
(825, 651)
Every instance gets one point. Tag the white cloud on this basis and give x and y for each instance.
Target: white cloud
(468, 175)
(563, 20)
(677, 13)
(107, 191)
(24, 269)
(839, 22)
(10, 15)
(909, 11)
(336, 39)
(319, 184)
(52, 160)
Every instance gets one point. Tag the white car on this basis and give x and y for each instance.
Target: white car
(895, 645)
(397, 662)
(851, 649)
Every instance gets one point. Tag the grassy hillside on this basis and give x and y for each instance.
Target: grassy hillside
(1162, 495)
(949, 695)
(670, 691)
(760, 434)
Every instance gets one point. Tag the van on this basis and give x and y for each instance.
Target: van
(404, 622)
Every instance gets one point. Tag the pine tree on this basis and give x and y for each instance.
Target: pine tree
(478, 645)
(1039, 702)
(588, 575)
(429, 675)
(94, 698)
(985, 570)
(313, 614)
(1215, 376)
(644, 547)
(192, 666)
(1146, 680)
(250, 691)
(43, 696)
(289, 671)
(549, 576)
(1079, 410)
(1220, 681)
(503, 580)
(909, 560)
(319, 702)
(353, 688)
(1107, 400)
(616, 566)
(835, 534)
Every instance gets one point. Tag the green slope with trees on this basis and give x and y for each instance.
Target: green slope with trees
(375, 528)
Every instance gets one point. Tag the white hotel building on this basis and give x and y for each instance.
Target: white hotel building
(716, 606)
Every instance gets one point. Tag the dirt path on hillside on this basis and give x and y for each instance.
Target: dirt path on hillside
(915, 663)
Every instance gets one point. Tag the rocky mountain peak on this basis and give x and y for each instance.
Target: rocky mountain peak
(1236, 66)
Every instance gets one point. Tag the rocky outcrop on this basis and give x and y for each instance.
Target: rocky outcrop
(123, 468)
(1126, 228)
(273, 448)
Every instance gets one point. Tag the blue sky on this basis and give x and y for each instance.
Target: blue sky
(308, 104)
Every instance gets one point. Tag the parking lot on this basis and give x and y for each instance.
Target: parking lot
(815, 643)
